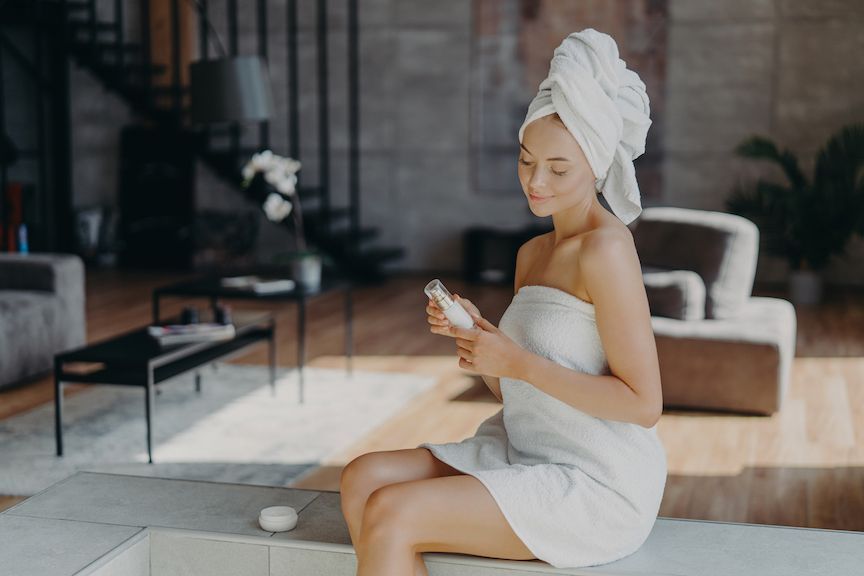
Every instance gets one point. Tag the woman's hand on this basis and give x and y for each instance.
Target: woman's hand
(439, 324)
(484, 349)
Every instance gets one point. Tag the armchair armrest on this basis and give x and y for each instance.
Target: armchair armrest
(678, 294)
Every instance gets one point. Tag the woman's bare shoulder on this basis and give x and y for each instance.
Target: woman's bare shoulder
(604, 243)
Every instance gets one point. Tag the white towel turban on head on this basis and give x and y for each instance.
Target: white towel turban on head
(605, 107)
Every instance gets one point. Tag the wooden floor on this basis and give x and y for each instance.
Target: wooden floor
(801, 467)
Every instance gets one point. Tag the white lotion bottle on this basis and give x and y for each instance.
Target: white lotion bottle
(455, 313)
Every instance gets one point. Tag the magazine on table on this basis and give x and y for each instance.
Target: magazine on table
(258, 284)
(191, 333)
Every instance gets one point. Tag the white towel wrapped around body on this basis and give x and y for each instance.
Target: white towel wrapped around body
(605, 107)
(578, 490)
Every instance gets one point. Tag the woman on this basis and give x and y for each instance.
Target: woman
(571, 470)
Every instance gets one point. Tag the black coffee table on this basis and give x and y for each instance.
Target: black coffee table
(137, 359)
(210, 287)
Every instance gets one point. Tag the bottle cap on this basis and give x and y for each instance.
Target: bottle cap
(439, 294)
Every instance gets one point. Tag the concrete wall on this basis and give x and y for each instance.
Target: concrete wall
(787, 69)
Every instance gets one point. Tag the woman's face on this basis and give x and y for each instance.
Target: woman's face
(553, 170)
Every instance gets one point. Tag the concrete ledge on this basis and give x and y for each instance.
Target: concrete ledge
(110, 525)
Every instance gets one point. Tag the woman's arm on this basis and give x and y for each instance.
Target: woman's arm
(609, 268)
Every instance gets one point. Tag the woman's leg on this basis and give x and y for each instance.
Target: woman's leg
(369, 472)
(447, 514)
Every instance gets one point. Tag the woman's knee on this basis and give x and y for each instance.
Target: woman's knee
(365, 473)
(356, 473)
(385, 515)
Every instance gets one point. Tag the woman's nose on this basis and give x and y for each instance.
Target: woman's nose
(537, 181)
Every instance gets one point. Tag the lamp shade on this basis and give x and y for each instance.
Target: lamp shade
(235, 89)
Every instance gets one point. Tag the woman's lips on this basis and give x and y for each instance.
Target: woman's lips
(538, 198)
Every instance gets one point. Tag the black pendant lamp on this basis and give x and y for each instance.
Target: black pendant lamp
(230, 89)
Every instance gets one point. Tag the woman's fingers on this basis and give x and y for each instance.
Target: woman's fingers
(438, 322)
(433, 311)
(465, 344)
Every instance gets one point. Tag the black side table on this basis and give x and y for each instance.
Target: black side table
(211, 287)
(137, 359)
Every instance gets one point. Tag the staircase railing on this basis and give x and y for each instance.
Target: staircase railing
(101, 42)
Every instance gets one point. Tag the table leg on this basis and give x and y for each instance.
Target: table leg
(149, 407)
(272, 346)
(301, 331)
(58, 407)
(349, 331)
(198, 381)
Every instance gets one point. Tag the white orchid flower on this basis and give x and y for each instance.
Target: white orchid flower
(286, 186)
(273, 177)
(279, 171)
(248, 171)
(262, 160)
(276, 208)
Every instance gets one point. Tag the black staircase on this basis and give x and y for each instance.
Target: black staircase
(102, 41)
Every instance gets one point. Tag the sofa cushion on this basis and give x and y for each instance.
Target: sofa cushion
(722, 248)
(678, 294)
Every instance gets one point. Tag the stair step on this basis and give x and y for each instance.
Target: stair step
(109, 46)
(168, 90)
(76, 5)
(132, 69)
(85, 26)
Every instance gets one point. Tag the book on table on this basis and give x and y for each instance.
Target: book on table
(191, 333)
(258, 284)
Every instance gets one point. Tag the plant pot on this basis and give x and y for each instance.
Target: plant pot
(306, 270)
(805, 287)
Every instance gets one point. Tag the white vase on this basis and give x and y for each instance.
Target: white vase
(805, 287)
(307, 271)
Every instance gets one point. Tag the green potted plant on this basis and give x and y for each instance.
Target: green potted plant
(806, 221)
(271, 181)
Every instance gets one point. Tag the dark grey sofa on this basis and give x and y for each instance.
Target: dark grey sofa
(41, 312)
(718, 346)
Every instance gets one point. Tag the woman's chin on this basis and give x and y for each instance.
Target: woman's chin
(539, 210)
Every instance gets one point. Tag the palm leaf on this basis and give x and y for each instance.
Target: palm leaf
(839, 177)
(761, 148)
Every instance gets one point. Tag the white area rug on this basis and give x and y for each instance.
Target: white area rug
(235, 430)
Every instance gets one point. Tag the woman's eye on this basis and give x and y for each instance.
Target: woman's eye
(559, 173)
(521, 161)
